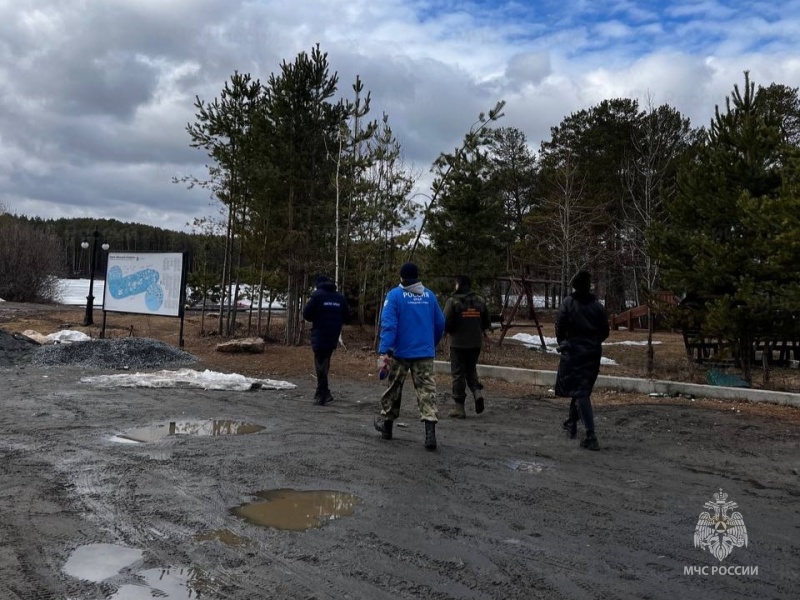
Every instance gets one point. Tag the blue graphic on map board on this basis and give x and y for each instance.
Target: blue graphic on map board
(144, 281)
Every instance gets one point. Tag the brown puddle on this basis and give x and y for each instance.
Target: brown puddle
(225, 536)
(213, 427)
(294, 510)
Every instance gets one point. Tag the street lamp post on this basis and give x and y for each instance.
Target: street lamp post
(89, 318)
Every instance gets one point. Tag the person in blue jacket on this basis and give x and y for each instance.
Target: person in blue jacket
(327, 310)
(411, 326)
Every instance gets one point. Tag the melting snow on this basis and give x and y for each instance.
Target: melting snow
(207, 380)
(533, 341)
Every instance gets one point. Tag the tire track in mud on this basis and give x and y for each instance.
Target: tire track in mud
(109, 493)
(35, 535)
(97, 478)
(459, 523)
(107, 489)
(512, 563)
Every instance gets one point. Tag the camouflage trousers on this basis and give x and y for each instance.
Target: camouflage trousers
(424, 386)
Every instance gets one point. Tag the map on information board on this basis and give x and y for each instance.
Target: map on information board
(144, 283)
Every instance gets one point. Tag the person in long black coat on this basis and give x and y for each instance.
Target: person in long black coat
(581, 328)
(327, 310)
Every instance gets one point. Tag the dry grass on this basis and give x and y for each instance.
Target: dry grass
(357, 361)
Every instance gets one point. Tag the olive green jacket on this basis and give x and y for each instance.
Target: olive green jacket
(466, 317)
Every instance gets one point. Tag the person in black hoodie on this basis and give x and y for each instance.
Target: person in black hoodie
(466, 320)
(327, 310)
(581, 327)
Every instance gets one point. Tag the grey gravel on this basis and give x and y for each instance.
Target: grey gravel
(118, 353)
(15, 348)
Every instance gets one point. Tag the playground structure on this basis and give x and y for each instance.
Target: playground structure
(519, 289)
(638, 316)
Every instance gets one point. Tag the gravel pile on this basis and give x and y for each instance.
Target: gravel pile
(120, 353)
(15, 349)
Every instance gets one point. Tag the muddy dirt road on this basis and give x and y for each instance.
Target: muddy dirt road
(507, 508)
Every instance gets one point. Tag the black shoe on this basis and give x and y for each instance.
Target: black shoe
(323, 399)
(384, 426)
(571, 427)
(590, 442)
(430, 435)
(479, 402)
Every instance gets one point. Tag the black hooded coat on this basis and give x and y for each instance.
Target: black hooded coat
(581, 328)
(327, 310)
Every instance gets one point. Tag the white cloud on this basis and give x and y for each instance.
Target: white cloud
(96, 96)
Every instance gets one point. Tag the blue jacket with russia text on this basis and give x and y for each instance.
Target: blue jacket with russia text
(412, 322)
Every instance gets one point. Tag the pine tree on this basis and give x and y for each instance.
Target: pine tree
(733, 230)
(465, 226)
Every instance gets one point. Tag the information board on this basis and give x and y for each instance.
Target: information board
(144, 283)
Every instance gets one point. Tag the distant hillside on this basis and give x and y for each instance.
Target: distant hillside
(121, 237)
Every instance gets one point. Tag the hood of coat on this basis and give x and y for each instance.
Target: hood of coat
(414, 288)
(327, 286)
(583, 297)
(463, 295)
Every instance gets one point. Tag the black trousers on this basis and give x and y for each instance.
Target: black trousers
(581, 408)
(322, 364)
(463, 367)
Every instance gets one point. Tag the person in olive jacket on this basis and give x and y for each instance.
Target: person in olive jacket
(327, 310)
(581, 328)
(466, 320)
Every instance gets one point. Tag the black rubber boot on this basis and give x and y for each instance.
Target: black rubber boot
(430, 435)
(590, 442)
(385, 427)
(571, 427)
(479, 402)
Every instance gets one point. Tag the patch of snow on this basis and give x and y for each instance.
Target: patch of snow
(207, 380)
(533, 341)
(122, 440)
(68, 335)
(630, 343)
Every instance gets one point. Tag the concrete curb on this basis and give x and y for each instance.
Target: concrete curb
(631, 384)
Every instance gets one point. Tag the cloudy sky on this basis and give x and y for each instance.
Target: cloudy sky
(95, 95)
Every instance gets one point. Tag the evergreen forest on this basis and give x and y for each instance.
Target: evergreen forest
(309, 181)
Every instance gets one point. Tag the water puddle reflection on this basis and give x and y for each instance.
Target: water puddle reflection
(100, 562)
(178, 583)
(294, 510)
(530, 466)
(225, 536)
(97, 562)
(214, 427)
